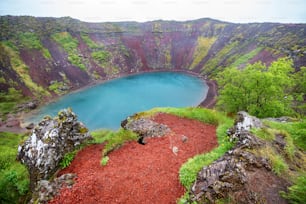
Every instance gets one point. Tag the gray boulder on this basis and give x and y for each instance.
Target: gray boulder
(49, 142)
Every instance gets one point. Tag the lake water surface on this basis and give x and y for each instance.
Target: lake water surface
(107, 104)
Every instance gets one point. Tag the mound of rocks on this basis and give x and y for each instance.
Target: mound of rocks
(234, 174)
(49, 142)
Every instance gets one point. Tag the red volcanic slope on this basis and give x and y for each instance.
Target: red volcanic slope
(138, 173)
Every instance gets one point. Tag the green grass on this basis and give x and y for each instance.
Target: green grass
(14, 177)
(113, 140)
(297, 131)
(266, 134)
(68, 158)
(296, 193)
(104, 160)
(9, 100)
(70, 45)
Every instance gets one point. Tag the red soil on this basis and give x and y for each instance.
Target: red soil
(138, 173)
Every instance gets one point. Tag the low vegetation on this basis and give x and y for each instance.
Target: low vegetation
(201, 50)
(31, 41)
(9, 101)
(297, 131)
(70, 45)
(296, 193)
(22, 70)
(14, 177)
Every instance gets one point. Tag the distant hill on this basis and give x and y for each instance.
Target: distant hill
(51, 56)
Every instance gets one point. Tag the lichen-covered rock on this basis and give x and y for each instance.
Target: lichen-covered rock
(46, 190)
(234, 173)
(49, 142)
(146, 127)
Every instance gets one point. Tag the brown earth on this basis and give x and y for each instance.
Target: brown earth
(138, 173)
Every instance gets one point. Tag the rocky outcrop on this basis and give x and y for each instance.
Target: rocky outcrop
(234, 173)
(46, 190)
(49, 142)
(145, 127)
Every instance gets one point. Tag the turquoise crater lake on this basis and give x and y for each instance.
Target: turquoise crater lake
(107, 104)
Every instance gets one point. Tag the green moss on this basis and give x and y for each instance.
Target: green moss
(70, 45)
(201, 50)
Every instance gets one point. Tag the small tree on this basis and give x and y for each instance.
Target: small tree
(260, 90)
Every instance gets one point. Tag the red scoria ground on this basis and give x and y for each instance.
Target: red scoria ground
(138, 173)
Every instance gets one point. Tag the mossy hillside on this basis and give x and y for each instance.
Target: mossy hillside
(70, 45)
(29, 40)
(89, 42)
(244, 59)
(14, 178)
(214, 62)
(22, 69)
(202, 47)
(102, 56)
(9, 101)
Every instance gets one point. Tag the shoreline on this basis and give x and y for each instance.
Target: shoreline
(208, 102)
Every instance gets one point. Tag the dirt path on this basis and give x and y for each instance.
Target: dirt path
(138, 173)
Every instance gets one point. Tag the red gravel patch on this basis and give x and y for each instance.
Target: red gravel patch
(139, 173)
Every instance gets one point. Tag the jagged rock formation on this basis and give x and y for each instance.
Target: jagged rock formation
(234, 175)
(51, 56)
(49, 142)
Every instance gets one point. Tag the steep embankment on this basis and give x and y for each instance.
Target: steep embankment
(52, 56)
